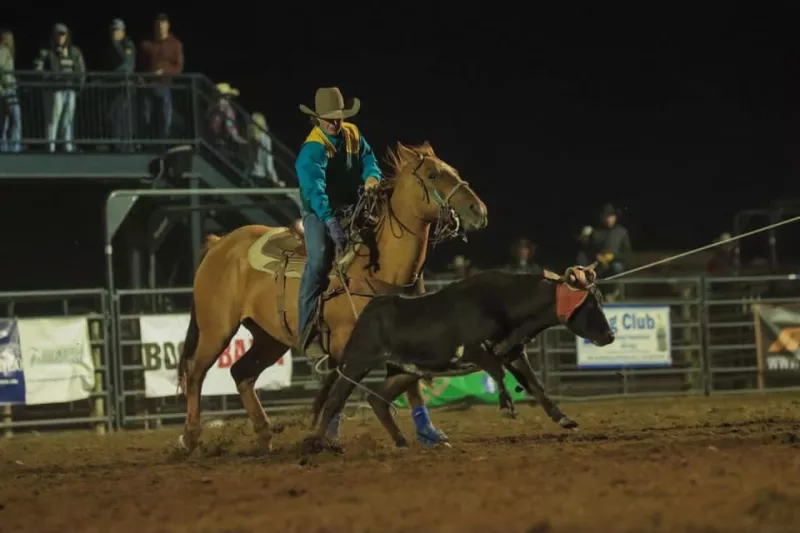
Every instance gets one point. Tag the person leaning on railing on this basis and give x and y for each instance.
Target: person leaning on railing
(121, 59)
(164, 55)
(263, 171)
(66, 74)
(10, 114)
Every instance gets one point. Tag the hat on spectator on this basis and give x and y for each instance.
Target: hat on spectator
(259, 120)
(162, 16)
(60, 28)
(608, 210)
(329, 103)
(225, 89)
(117, 24)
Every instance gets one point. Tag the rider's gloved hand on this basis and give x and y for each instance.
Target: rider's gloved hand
(371, 185)
(338, 235)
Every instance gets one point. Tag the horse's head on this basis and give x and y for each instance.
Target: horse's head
(579, 305)
(434, 191)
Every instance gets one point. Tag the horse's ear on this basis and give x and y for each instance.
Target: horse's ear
(428, 149)
(405, 153)
(592, 267)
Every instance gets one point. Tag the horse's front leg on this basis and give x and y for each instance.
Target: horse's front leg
(519, 366)
(427, 433)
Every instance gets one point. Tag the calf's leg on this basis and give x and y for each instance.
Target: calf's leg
(521, 369)
(493, 366)
(385, 393)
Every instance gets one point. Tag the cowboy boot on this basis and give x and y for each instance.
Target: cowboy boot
(311, 344)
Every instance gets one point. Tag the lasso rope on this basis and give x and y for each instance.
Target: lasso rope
(703, 248)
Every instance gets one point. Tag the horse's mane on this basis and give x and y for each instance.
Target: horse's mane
(397, 163)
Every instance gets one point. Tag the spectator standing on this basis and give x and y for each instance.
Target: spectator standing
(121, 59)
(523, 251)
(10, 114)
(66, 73)
(263, 170)
(164, 57)
(223, 122)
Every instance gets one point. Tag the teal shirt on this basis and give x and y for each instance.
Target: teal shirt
(329, 183)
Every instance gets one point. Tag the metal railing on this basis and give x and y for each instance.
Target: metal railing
(712, 332)
(126, 113)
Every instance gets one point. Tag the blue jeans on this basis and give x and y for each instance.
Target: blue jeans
(60, 107)
(11, 125)
(162, 96)
(319, 259)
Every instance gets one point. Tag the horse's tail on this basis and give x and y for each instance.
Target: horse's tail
(189, 347)
(193, 333)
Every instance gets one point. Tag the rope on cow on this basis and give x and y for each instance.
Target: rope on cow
(703, 248)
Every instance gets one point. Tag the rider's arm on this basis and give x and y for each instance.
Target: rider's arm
(370, 168)
(310, 167)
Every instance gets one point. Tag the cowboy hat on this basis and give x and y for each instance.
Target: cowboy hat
(329, 103)
(259, 120)
(225, 89)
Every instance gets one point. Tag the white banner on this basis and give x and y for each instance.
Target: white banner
(56, 359)
(162, 341)
(643, 338)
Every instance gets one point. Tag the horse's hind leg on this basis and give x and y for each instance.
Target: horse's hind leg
(264, 352)
(209, 347)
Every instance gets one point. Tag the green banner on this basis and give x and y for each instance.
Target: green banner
(477, 388)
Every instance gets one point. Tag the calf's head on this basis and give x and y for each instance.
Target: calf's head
(579, 306)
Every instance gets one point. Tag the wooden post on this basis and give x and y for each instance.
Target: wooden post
(7, 419)
(98, 404)
(760, 362)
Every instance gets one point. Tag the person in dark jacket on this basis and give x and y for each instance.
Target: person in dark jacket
(66, 74)
(10, 113)
(612, 242)
(121, 59)
(164, 57)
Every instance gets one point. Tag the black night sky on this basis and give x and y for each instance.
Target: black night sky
(679, 114)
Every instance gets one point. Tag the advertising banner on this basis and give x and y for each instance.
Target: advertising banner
(777, 331)
(643, 338)
(12, 376)
(478, 387)
(56, 359)
(162, 341)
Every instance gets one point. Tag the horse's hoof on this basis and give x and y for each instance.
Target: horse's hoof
(402, 442)
(264, 439)
(334, 446)
(312, 445)
(508, 413)
(567, 423)
(278, 428)
(431, 437)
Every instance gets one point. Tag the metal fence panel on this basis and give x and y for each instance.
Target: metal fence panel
(94, 412)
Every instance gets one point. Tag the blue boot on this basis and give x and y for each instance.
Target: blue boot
(332, 431)
(427, 434)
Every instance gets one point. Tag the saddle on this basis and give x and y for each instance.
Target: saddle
(281, 253)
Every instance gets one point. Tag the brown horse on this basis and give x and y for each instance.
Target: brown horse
(229, 289)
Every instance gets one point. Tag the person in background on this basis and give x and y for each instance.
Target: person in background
(522, 251)
(263, 170)
(10, 114)
(164, 57)
(723, 261)
(461, 267)
(121, 59)
(223, 121)
(67, 74)
(612, 242)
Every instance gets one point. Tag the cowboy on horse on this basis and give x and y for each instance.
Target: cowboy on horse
(333, 161)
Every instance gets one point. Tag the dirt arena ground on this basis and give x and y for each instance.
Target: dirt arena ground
(669, 465)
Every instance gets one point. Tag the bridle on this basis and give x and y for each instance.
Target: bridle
(448, 223)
